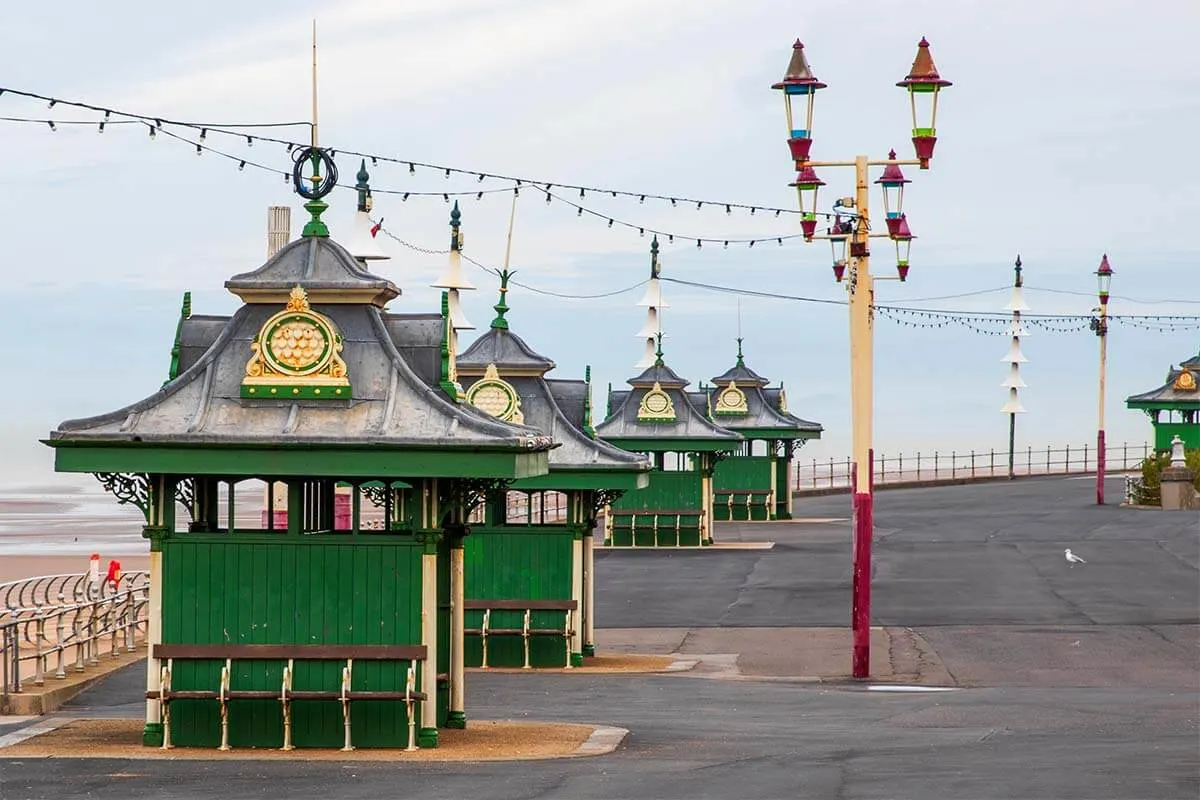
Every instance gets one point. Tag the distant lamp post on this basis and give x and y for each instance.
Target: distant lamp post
(799, 85)
(1100, 326)
(1015, 359)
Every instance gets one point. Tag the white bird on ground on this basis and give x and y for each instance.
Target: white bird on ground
(1073, 559)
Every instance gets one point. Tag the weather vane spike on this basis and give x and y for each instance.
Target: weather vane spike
(314, 83)
(313, 157)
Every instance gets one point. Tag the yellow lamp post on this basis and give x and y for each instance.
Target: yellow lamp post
(799, 86)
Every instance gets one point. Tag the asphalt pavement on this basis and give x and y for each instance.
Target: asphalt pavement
(1070, 682)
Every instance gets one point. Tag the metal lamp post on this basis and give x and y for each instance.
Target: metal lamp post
(1015, 359)
(1100, 326)
(799, 87)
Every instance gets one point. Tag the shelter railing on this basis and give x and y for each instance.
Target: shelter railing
(67, 620)
(941, 465)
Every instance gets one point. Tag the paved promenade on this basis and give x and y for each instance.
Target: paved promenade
(1063, 682)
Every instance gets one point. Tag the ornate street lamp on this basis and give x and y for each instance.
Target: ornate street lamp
(1014, 382)
(924, 84)
(799, 87)
(892, 180)
(1100, 326)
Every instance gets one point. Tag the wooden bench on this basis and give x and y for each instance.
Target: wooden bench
(526, 631)
(224, 692)
(676, 522)
(747, 500)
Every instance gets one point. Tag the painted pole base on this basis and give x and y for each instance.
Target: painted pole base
(427, 737)
(576, 659)
(456, 720)
(589, 651)
(152, 734)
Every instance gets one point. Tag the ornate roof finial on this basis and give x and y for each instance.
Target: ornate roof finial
(455, 221)
(740, 362)
(654, 257)
(658, 353)
(364, 188)
(1017, 269)
(500, 323)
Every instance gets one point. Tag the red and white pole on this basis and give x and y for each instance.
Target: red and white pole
(862, 293)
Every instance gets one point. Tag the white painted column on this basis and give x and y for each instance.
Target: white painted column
(589, 594)
(153, 637)
(429, 613)
(577, 596)
(458, 718)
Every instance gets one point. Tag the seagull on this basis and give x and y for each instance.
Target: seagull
(1073, 559)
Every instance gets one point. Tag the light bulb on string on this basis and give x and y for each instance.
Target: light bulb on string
(241, 166)
(249, 141)
(412, 170)
(203, 134)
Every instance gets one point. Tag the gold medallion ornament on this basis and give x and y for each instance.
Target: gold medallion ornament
(656, 406)
(732, 401)
(1185, 381)
(296, 355)
(496, 396)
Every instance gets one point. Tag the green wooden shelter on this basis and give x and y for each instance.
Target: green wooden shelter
(1174, 407)
(754, 482)
(312, 383)
(533, 541)
(657, 418)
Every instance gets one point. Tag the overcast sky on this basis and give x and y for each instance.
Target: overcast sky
(1064, 136)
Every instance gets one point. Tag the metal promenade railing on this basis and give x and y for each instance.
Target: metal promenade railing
(963, 464)
(55, 623)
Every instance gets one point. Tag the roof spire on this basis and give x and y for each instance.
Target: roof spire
(658, 353)
(500, 323)
(740, 362)
(363, 187)
(455, 221)
(654, 257)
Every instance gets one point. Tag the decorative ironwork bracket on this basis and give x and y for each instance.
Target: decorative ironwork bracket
(131, 488)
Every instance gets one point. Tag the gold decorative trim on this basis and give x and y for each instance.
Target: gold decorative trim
(656, 406)
(1185, 381)
(296, 348)
(731, 401)
(496, 396)
(783, 401)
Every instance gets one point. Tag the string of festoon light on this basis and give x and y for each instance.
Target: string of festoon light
(200, 132)
(984, 323)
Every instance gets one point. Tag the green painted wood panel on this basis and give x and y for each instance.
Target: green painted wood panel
(667, 490)
(311, 590)
(517, 563)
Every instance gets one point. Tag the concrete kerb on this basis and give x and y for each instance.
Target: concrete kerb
(601, 740)
(55, 692)
(930, 483)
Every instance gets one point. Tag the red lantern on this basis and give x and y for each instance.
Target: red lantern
(903, 238)
(924, 84)
(893, 181)
(839, 235)
(807, 184)
(799, 87)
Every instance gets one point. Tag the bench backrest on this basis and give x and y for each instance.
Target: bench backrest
(521, 605)
(241, 652)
